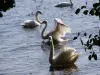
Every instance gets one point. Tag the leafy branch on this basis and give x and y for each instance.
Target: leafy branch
(6, 5)
(93, 40)
(94, 11)
(88, 45)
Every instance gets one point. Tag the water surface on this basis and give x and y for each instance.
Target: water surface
(21, 51)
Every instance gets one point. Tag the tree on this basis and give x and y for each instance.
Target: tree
(93, 40)
(94, 11)
(6, 5)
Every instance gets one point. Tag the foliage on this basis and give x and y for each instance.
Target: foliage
(94, 11)
(92, 40)
(6, 5)
(88, 45)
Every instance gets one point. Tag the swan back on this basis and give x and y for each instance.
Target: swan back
(64, 4)
(68, 56)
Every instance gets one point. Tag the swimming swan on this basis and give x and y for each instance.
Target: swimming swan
(64, 4)
(59, 31)
(33, 23)
(67, 56)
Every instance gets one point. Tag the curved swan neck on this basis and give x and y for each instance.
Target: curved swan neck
(43, 34)
(37, 17)
(51, 56)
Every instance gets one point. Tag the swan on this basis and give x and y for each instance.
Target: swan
(33, 23)
(67, 56)
(59, 31)
(64, 4)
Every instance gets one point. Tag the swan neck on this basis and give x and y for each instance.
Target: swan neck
(71, 2)
(43, 34)
(37, 18)
(51, 56)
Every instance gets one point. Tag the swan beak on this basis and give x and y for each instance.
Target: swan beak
(40, 12)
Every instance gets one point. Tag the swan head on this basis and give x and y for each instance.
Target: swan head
(44, 22)
(39, 12)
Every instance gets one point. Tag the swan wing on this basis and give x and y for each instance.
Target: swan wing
(57, 20)
(61, 30)
(54, 33)
(31, 22)
(61, 27)
(37, 23)
(65, 55)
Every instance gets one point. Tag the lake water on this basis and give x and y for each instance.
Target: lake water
(22, 51)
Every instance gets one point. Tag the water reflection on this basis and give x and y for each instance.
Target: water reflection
(63, 70)
(57, 47)
(46, 45)
(69, 67)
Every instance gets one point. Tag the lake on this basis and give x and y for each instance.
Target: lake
(22, 51)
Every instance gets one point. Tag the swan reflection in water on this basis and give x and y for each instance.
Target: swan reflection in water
(45, 45)
(64, 70)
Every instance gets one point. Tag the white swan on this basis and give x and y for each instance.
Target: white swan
(59, 31)
(64, 4)
(68, 56)
(33, 23)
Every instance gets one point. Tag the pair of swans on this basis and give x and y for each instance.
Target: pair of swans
(33, 23)
(64, 4)
(57, 33)
(66, 57)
